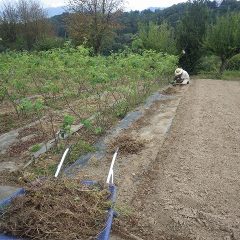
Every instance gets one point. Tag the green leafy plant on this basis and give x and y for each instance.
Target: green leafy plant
(157, 37)
(121, 109)
(223, 38)
(35, 148)
(234, 63)
(45, 171)
(80, 148)
(66, 126)
(87, 124)
(25, 106)
(98, 130)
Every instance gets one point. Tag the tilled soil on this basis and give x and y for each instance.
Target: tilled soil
(191, 190)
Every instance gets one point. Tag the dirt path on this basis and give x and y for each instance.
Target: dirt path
(184, 183)
(192, 188)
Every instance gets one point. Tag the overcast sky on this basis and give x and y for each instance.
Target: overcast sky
(132, 4)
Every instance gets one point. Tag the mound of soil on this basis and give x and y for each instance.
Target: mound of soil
(170, 90)
(57, 209)
(127, 144)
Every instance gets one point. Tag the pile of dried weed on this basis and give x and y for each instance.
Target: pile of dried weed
(127, 144)
(57, 209)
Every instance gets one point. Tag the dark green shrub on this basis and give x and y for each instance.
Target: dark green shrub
(208, 64)
(121, 109)
(234, 63)
(48, 43)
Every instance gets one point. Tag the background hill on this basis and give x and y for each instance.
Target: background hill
(53, 11)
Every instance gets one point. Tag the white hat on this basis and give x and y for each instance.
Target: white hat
(178, 71)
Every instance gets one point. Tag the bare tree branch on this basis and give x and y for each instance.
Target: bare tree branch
(96, 20)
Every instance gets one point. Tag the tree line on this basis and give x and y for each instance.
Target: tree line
(22, 24)
(191, 30)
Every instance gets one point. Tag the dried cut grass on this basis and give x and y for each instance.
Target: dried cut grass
(57, 209)
(127, 144)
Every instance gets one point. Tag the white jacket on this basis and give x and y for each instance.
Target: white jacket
(185, 77)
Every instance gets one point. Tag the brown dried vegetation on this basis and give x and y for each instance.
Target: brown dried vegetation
(57, 209)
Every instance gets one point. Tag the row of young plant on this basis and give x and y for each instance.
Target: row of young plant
(73, 84)
(64, 74)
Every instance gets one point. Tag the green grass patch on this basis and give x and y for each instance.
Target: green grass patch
(80, 148)
(35, 148)
(45, 171)
(227, 75)
(231, 75)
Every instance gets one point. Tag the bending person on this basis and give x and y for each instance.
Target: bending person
(181, 76)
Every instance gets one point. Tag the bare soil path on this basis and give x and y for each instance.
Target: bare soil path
(191, 189)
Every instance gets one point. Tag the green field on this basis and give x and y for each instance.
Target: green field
(64, 87)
